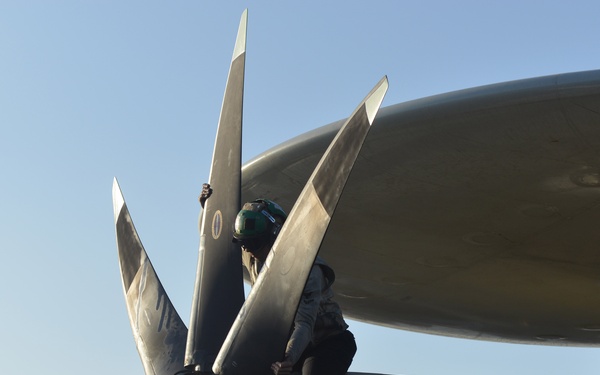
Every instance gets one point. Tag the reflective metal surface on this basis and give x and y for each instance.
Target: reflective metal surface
(471, 214)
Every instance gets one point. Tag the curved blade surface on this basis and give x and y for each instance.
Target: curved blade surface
(260, 332)
(219, 289)
(158, 330)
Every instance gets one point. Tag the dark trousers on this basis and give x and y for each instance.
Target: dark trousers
(331, 357)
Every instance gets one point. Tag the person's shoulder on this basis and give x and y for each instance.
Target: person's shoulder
(320, 262)
(326, 271)
(316, 280)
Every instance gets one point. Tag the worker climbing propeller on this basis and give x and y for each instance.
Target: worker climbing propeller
(320, 342)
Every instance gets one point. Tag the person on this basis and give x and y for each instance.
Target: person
(320, 342)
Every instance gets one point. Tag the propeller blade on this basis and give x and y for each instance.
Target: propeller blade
(219, 289)
(158, 330)
(260, 333)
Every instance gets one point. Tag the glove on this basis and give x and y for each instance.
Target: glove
(281, 368)
(205, 194)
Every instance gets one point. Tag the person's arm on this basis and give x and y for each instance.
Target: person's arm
(304, 322)
(306, 316)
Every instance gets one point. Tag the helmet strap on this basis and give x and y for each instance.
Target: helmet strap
(269, 216)
(276, 227)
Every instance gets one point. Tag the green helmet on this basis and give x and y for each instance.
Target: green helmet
(260, 219)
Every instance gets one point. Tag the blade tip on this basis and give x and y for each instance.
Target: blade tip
(373, 103)
(118, 200)
(240, 42)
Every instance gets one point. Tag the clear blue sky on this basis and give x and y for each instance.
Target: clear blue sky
(91, 90)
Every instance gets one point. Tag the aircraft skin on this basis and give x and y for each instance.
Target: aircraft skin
(470, 214)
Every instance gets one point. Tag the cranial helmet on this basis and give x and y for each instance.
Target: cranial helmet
(258, 222)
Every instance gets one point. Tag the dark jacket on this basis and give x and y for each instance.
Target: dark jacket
(318, 316)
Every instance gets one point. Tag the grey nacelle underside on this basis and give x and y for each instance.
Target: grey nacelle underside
(469, 214)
